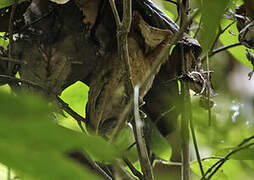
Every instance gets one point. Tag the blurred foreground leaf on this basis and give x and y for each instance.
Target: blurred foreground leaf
(212, 12)
(33, 144)
(5, 3)
(160, 146)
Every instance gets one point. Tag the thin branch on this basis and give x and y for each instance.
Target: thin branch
(198, 29)
(121, 172)
(84, 159)
(222, 160)
(11, 28)
(212, 157)
(133, 169)
(123, 29)
(139, 136)
(163, 114)
(220, 32)
(171, 1)
(196, 145)
(223, 48)
(72, 113)
(246, 140)
(115, 13)
(13, 60)
(121, 120)
(97, 168)
(208, 91)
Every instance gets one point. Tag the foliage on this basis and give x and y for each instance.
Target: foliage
(36, 146)
(5, 3)
(32, 144)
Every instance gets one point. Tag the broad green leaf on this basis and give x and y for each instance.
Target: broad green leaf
(212, 12)
(5, 3)
(159, 144)
(33, 144)
(239, 51)
(206, 164)
(76, 96)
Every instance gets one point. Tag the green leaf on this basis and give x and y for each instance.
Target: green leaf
(3, 42)
(76, 96)
(239, 51)
(159, 144)
(212, 12)
(5, 3)
(33, 144)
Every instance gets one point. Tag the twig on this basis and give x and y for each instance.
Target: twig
(196, 144)
(198, 29)
(121, 120)
(173, 2)
(139, 136)
(246, 140)
(13, 60)
(223, 48)
(72, 113)
(212, 157)
(85, 159)
(121, 172)
(164, 114)
(133, 169)
(221, 31)
(222, 160)
(208, 91)
(11, 24)
(123, 28)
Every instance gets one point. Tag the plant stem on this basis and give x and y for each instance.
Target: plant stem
(185, 131)
(196, 144)
(184, 7)
(141, 144)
